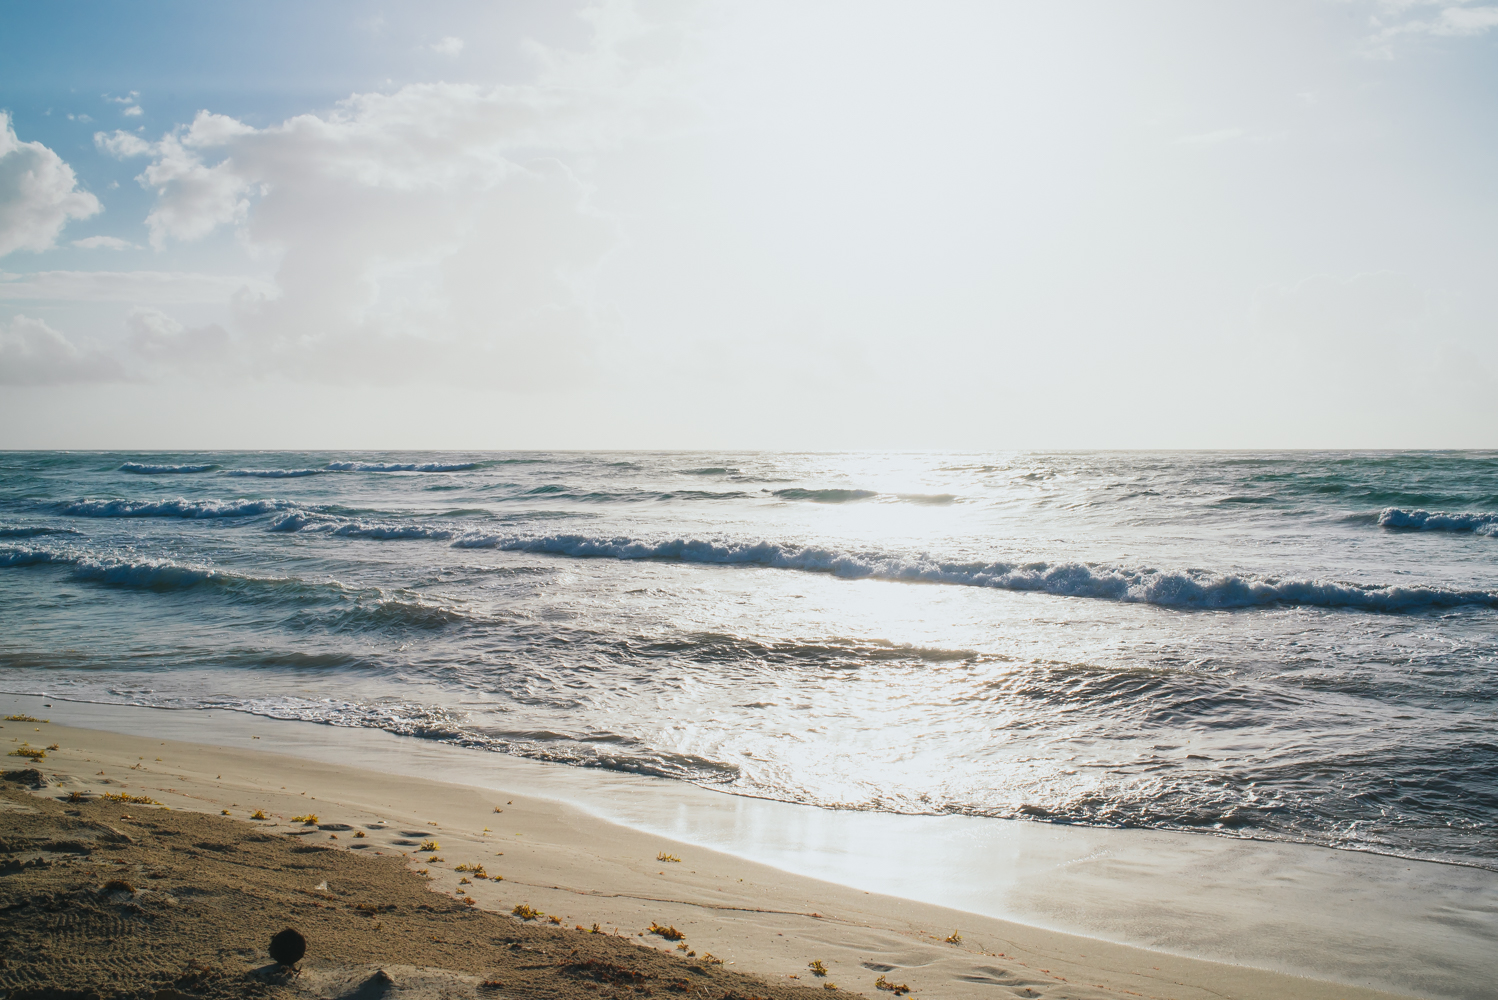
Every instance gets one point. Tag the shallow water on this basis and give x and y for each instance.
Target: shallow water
(1284, 645)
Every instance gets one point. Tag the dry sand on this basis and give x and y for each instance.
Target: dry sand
(228, 883)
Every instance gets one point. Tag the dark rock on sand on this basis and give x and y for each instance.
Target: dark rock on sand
(288, 947)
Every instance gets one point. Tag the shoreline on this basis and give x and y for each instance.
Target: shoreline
(578, 821)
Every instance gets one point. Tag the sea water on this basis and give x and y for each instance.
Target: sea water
(1291, 646)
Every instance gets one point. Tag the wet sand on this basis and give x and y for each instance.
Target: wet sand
(536, 852)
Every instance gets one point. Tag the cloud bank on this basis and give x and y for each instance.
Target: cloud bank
(438, 229)
(32, 353)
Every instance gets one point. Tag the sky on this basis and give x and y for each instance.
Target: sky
(789, 225)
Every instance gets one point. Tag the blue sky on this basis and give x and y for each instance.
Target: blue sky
(681, 224)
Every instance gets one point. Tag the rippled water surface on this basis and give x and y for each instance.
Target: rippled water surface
(1296, 645)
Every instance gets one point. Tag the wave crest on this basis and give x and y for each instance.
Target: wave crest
(824, 496)
(142, 469)
(402, 467)
(1478, 523)
(302, 521)
(180, 507)
(16, 556)
(32, 531)
(275, 473)
(1183, 589)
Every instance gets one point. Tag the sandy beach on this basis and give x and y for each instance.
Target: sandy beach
(536, 853)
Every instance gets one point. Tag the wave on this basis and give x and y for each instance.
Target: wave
(928, 499)
(824, 496)
(31, 557)
(153, 574)
(1425, 520)
(180, 507)
(403, 467)
(141, 469)
(34, 531)
(1182, 589)
(303, 521)
(275, 473)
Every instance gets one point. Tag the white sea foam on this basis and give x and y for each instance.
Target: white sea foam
(275, 473)
(179, 507)
(32, 531)
(1479, 523)
(390, 531)
(154, 574)
(19, 556)
(1189, 589)
(299, 520)
(402, 467)
(141, 469)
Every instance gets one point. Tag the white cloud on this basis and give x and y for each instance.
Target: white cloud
(449, 46)
(38, 193)
(1429, 17)
(132, 111)
(435, 230)
(32, 353)
(193, 198)
(1466, 20)
(132, 286)
(105, 243)
(154, 335)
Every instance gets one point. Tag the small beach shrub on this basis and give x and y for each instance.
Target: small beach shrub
(23, 718)
(669, 933)
(54, 746)
(308, 820)
(953, 938)
(817, 968)
(259, 814)
(359, 834)
(525, 912)
(429, 845)
(898, 989)
(140, 800)
(30, 753)
(708, 958)
(663, 856)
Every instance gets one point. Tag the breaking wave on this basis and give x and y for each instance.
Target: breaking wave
(30, 557)
(1438, 520)
(180, 507)
(275, 473)
(302, 521)
(403, 467)
(141, 469)
(825, 496)
(1183, 589)
(34, 531)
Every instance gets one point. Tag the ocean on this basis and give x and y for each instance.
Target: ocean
(1293, 646)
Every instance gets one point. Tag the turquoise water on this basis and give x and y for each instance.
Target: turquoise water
(1293, 646)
